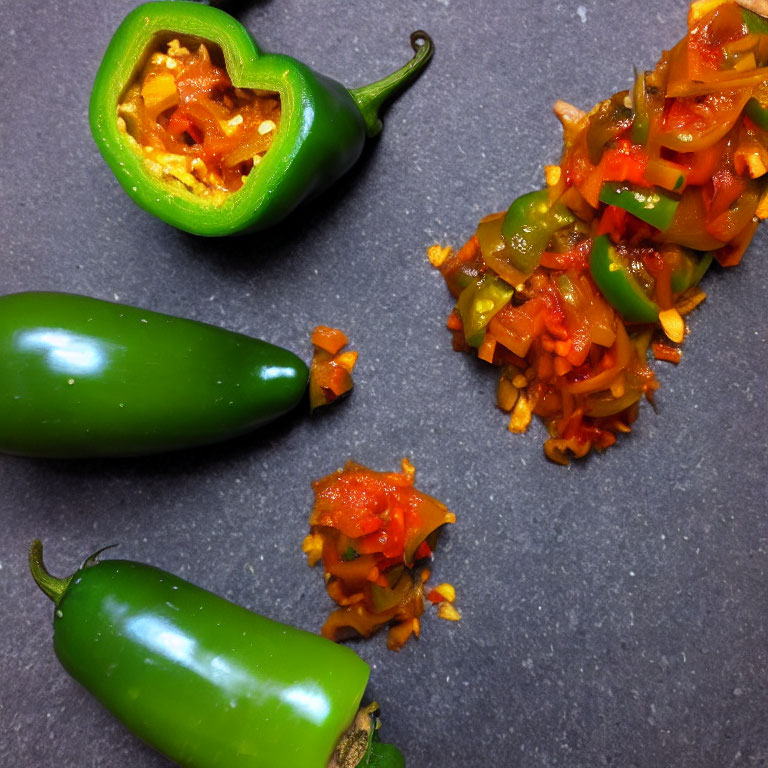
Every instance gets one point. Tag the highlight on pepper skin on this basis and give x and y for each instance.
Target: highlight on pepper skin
(190, 124)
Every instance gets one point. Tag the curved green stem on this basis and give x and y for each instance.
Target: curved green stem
(369, 98)
(53, 587)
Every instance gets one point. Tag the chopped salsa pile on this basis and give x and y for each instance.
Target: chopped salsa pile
(330, 372)
(374, 532)
(192, 125)
(569, 289)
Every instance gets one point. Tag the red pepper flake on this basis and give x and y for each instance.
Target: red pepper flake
(663, 351)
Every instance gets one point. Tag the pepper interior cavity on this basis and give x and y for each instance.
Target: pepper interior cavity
(192, 126)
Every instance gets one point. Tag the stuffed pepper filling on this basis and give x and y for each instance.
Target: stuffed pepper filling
(192, 126)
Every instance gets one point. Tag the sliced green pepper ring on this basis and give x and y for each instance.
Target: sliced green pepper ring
(619, 287)
(528, 227)
(479, 302)
(321, 134)
(648, 205)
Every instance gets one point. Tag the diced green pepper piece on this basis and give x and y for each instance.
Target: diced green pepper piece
(619, 287)
(690, 271)
(757, 112)
(754, 23)
(479, 302)
(528, 227)
(648, 205)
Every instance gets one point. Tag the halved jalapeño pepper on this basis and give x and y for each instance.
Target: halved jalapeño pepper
(83, 377)
(648, 205)
(528, 227)
(618, 285)
(204, 681)
(205, 131)
(479, 302)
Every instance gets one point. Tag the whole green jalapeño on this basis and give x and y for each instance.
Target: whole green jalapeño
(207, 682)
(321, 132)
(81, 377)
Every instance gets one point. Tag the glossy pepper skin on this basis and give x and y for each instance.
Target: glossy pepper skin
(321, 135)
(529, 225)
(618, 285)
(83, 377)
(204, 681)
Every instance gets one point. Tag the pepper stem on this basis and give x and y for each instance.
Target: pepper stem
(360, 747)
(369, 98)
(53, 587)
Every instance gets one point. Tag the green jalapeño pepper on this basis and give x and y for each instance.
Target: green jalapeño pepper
(169, 141)
(83, 377)
(648, 205)
(207, 682)
(528, 227)
(617, 284)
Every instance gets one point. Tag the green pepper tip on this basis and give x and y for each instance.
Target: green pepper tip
(370, 98)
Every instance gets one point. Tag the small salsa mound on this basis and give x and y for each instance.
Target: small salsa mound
(330, 373)
(373, 532)
(570, 289)
(190, 123)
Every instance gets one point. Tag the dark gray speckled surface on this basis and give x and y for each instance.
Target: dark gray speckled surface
(614, 612)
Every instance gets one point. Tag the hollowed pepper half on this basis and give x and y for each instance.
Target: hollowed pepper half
(81, 377)
(207, 682)
(210, 134)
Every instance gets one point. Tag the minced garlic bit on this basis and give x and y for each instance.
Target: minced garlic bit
(447, 591)
(673, 325)
(266, 127)
(312, 547)
(437, 254)
(520, 419)
(176, 49)
(448, 612)
(552, 174)
(506, 394)
(407, 468)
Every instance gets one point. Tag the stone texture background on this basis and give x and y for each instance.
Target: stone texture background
(614, 612)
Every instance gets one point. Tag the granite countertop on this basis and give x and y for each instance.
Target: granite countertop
(614, 612)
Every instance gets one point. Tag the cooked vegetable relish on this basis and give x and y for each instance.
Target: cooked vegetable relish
(192, 125)
(373, 532)
(569, 289)
(330, 374)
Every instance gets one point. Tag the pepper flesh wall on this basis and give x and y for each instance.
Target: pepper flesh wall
(191, 125)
